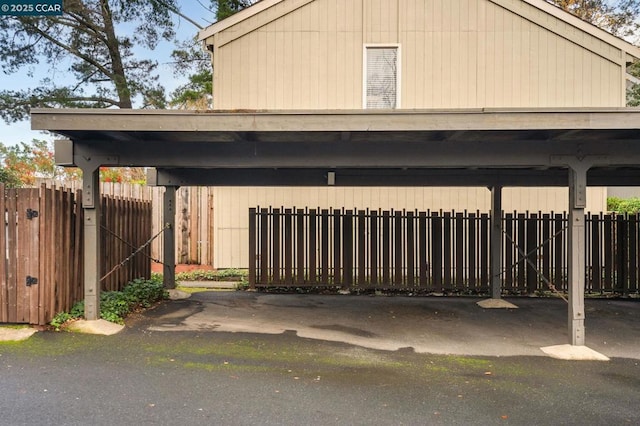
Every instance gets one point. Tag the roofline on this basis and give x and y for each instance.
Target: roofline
(549, 8)
(333, 121)
(236, 18)
(585, 26)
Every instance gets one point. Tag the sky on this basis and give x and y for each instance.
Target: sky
(14, 133)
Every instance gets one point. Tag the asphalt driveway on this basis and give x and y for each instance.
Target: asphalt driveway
(207, 369)
(436, 325)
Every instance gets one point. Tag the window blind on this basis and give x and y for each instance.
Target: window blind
(381, 77)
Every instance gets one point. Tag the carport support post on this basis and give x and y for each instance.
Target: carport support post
(496, 241)
(576, 257)
(169, 219)
(92, 212)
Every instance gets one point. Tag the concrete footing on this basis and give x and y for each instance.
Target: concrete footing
(573, 353)
(100, 326)
(178, 294)
(496, 304)
(9, 334)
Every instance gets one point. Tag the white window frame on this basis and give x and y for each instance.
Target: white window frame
(398, 48)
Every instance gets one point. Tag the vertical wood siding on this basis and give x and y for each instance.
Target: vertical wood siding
(455, 54)
(231, 223)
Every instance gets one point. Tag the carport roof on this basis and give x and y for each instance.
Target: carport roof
(362, 142)
(222, 126)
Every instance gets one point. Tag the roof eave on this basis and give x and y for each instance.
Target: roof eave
(587, 27)
(236, 18)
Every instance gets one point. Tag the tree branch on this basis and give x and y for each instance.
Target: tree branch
(73, 51)
(177, 12)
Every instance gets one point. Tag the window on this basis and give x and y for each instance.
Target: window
(381, 77)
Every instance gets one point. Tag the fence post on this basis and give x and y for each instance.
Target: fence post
(495, 244)
(92, 233)
(169, 219)
(576, 250)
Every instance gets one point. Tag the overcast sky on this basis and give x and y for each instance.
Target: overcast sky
(12, 134)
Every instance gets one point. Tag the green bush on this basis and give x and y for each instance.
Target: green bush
(208, 275)
(116, 305)
(623, 205)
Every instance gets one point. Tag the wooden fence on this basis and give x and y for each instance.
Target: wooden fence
(434, 251)
(194, 217)
(41, 243)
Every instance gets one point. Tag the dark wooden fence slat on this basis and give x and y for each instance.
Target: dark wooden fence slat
(545, 221)
(472, 252)
(347, 251)
(300, 247)
(422, 250)
(288, 247)
(325, 246)
(447, 255)
(337, 272)
(253, 246)
(532, 254)
(410, 250)
(436, 236)
(559, 244)
(312, 234)
(608, 252)
(275, 237)
(596, 266)
(459, 261)
(373, 248)
(398, 266)
(621, 254)
(361, 250)
(265, 227)
(386, 247)
(633, 252)
(485, 230)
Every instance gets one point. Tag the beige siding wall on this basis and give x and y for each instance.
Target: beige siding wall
(454, 53)
(232, 205)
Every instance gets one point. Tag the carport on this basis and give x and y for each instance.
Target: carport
(480, 147)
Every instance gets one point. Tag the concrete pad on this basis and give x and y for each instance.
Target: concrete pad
(496, 304)
(178, 294)
(573, 353)
(100, 326)
(8, 334)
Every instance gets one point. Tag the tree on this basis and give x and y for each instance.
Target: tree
(192, 59)
(197, 93)
(87, 43)
(226, 8)
(620, 18)
(24, 163)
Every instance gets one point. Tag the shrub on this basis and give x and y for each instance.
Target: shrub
(219, 275)
(623, 205)
(116, 305)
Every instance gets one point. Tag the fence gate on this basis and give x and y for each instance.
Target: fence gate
(28, 244)
(41, 268)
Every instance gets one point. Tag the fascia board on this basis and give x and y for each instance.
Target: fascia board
(236, 18)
